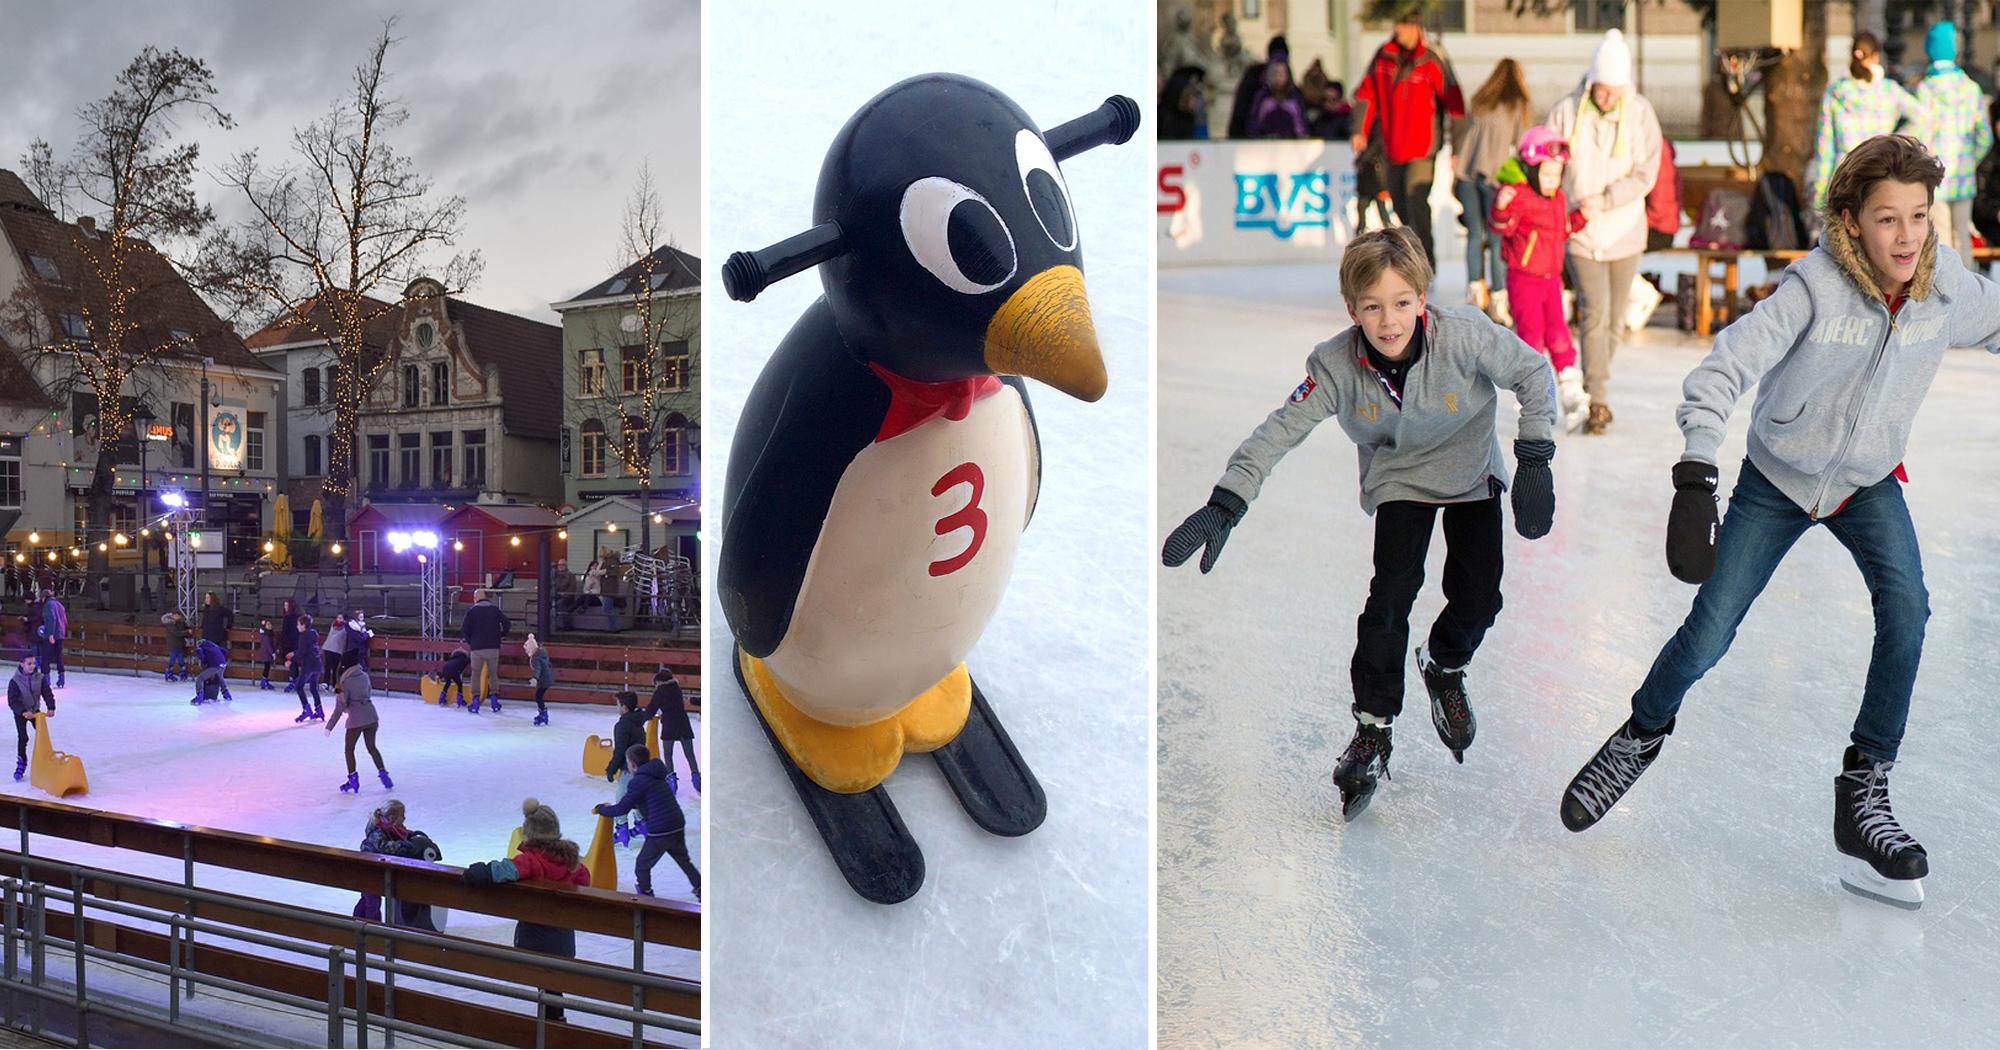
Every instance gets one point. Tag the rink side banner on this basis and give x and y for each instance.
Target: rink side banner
(1254, 202)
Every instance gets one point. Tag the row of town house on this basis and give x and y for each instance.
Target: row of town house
(464, 410)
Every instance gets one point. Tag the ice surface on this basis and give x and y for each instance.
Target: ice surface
(244, 766)
(1022, 942)
(1457, 911)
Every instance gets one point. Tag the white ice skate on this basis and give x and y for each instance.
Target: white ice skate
(1496, 308)
(1860, 877)
(1569, 392)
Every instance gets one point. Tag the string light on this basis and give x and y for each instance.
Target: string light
(52, 555)
(458, 545)
(336, 550)
(121, 539)
(562, 534)
(269, 546)
(34, 537)
(513, 541)
(102, 547)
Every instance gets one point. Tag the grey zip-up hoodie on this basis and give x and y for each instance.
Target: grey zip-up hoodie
(1438, 446)
(354, 701)
(1838, 380)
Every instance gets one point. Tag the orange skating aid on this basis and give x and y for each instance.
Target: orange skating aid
(56, 772)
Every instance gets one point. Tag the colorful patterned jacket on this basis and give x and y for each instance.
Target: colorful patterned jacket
(1853, 112)
(1955, 127)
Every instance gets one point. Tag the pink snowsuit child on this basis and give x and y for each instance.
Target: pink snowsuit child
(1534, 222)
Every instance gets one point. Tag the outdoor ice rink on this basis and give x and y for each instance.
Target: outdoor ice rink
(1457, 911)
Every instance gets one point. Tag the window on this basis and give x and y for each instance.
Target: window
(440, 383)
(331, 390)
(618, 286)
(10, 472)
(635, 446)
(631, 368)
(675, 365)
(441, 458)
(253, 442)
(1595, 16)
(475, 458)
(592, 440)
(1449, 16)
(74, 327)
(658, 279)
(670, 451)
(45, 268)
(424, 336)
(590, 377)
(184, 432)
(309, 393)
(378, 461)
(312, 455)
(412, 393)
(410, 457)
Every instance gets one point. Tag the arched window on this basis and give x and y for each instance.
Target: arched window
(592, 437)
(412, 392)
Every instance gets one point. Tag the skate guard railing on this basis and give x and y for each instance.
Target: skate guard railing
(336, 941)
(585, 674)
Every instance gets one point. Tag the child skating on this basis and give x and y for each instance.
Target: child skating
(306, 670)
(451, 675)
(541, 675)
(177, 635)
(1415, 388)
(1534, 221)
(27, 692)
(1841, 355)
(353, 699)
(214, 664)
(669, 705)
(267, 653)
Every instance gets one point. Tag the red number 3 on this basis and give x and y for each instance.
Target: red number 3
(966, 517)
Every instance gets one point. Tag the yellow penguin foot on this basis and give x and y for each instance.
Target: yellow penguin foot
(853, 759)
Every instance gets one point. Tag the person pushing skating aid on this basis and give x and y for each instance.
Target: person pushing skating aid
(27, 692)
(1841, 356)
(1415, 388)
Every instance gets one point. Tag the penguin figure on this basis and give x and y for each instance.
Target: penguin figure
(887, 460)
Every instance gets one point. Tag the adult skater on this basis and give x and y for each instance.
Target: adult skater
(354, 700)
(216, 621)
(482, 630)
(306, 669)
(630, 729)
(53, 631)
(1857, 327)
(541, 675)
(669, 705)
(1427, 445)
(27, 692)
(214, 664)
(650, 792)
(332, 648)
(288, 640)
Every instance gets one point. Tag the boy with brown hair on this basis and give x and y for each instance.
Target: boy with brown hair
(1415, 387)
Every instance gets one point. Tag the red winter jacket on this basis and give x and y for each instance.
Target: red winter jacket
(534, 864)
(1533, 229)
(1663, 205)
(1410, 89)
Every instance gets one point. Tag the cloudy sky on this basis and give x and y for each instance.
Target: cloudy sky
(538, 114)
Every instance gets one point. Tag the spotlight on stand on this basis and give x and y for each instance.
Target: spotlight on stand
(171, 498)
(399, 542)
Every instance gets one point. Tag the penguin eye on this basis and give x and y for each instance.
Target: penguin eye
(957, 236)
(1047, 194)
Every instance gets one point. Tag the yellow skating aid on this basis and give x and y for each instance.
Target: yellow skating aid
(596, 755)
(602, 857)
(431, 688)
(852, 759)
(56, 772)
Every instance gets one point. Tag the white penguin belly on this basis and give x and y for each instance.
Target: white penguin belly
(910, 564)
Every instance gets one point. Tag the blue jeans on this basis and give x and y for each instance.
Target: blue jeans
(1477, 195)
(1761, 526)
(176, 661)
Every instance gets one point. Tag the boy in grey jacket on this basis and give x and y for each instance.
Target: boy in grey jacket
(1841, 355)
(1415, 389)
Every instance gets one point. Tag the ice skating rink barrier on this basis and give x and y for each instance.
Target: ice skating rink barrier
(585, 674)
(348, 968)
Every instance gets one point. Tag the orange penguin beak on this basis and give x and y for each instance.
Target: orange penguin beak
(1043, 331)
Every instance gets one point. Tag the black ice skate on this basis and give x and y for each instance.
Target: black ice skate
(1879, 859)
(1365, 760)
(1610, 773)
(1451, 708)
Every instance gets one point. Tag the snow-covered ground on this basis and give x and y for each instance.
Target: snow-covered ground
(1457, 912)
(246, 766)
(1037, 941)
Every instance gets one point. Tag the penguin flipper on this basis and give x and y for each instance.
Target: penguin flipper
(993, 783)
(870, 845)
(813, 409)
(1020, 386)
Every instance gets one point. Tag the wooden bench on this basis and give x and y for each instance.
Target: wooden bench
(1712, 264)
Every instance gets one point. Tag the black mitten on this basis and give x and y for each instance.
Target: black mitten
(1208, 527)
(1694, 522)
(1534, 488)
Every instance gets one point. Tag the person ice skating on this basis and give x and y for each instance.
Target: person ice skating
(177, 634)
(451, 675)
(1534, 221)
(1407, 93)
(630, 729)
(54, 630)
(669, 705)
(648, 792)
(1868, 103)
(353, 698)
(358, 637)
(214, 664)
(216, 621)
(482, 630)
(544, 856)
(541, 675)
(306, 670)
(332, 647)
(1499, 117)
(27, 692)
(288, 640)
(1952, 119)
(267, 651)
(388, 835)
(1841, 356)
(1614, 140)
(1414, 386)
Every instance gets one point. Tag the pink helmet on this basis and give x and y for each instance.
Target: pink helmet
(1541, 143)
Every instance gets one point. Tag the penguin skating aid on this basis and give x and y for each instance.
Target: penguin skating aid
(887, 459)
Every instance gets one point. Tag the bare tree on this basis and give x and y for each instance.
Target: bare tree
(126, 166)
(45, 176)
(334, 239)
(650, 338)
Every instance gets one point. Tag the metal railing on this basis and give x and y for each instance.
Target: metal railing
(26, 899)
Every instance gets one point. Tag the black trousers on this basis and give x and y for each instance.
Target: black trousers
(1472, 568)
(20, 737)
(672, 844)
(1410, 192)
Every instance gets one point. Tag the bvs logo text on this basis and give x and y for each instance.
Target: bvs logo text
(1299, 201)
